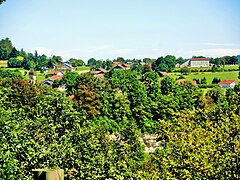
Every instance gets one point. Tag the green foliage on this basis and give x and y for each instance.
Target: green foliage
(167, 85)
(87, 95)
(166, 64)
(1, 1)
(14, 63)
(70, 80)
(6, 44)
(5, 73)
(216, 80)
(76, 62)
(97, 134)
(14, 53)
(3, 53)
(185, 70)
(199, 148)
(204, 80)
(92, 62)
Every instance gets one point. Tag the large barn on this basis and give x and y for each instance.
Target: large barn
(199, 62)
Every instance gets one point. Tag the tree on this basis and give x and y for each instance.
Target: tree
(14, 53)
(198, 148)
(76, 62)
(107, 64)
(14, 63)
(164, 64)
(26, 64)
(1, 1)
(3, 54)
(168, 85)
(70, 80)
(7, 45)
(204, 80)
(92, 62)
(87, 95)
(180, 60)
(120, 59)
(170, 61)
(185, 70)
(216, 80)
(137, 67)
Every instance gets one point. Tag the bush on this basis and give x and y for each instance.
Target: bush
(207, 85)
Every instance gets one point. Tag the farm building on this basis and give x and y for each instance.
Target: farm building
(227, 83)
(199, 62)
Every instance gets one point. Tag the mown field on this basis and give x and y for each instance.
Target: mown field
(227, 75)
(82, 68)
(42, 76)
(226, 67)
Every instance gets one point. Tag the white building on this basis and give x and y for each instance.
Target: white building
(199, 62)
(227, 83)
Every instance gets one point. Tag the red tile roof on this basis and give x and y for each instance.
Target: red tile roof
(126, 66)
(72, 97)
(225, 82)
(200, 59)
(116, 63)
(53, 78)
(164, 73)
(181, 81)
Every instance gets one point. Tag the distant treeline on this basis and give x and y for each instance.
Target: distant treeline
(35, 61)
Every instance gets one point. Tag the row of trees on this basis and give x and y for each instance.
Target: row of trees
(97, 134)
(35, 61)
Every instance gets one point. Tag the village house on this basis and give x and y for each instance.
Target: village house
(182, 81)
(99, 72)
(199, 62)
(227, 83)
(122, 67)
(64, 66)
(32, 75)
(52, 79)
(162, 74)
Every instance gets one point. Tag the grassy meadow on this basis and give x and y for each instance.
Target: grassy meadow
(227, 75)
(83, 68)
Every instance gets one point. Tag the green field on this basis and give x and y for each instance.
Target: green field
(82, 68)
(226, 68)
(231, 75)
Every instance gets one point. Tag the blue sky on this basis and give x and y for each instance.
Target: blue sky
(124, 28)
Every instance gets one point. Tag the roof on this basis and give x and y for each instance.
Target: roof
(225, 82)
(72, 97)
(181, 81)
(119, 66)
(101, 76)
(32, 73)
(59, 77)
(54, 72)
(68, 65)
(200, 59)
(101, 69)
(126, 66)
(116, 63)
(164, 73)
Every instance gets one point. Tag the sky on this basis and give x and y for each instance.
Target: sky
(107, 29)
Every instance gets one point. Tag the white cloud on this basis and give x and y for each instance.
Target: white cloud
(218, 44)
(216, 52)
